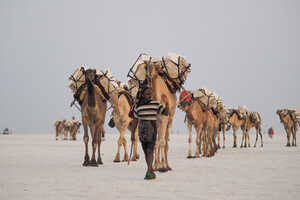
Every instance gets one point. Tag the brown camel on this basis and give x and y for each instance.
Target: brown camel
(93, 112)
(59, 128)
(162, 87)
(205, 123)
(122, 122)
(236, 123)
(289, 124)
(194, 117)
(253, 119)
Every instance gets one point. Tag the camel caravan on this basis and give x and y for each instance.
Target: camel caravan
(94, 89)
(67, 129)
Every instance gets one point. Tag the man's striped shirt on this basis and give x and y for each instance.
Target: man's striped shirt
(148, 111)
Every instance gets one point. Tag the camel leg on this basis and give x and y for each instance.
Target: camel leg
(157, 152)
(261, 139)
(86, 141)
(99, 132)
(243, 139)
(94, 146)
(168, 130)
(219, 139)
(162, 145)
(198, 143)
(288, 138)
(248, 138)
(214, 143)
(124, 142)
(135, 146)
(205, 144)
(117, 157)
(157, 163)
(256, 138)
(223, 130)
(234, 137)
(56, 134)
(294, 138)
(190, 140)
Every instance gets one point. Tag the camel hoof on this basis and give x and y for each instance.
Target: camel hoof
(288, 145)
(254, 146)
(116, 161)
(241, 146)
(93, 163)
(162, 170)
(85, 163)
(99, 161)
(190, 157)
(234, 146)
(223, 147)
(169, 168)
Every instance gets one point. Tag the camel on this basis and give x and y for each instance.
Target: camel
(67, 128)
(223, 120)
(59, 128)
(162, 87)
(122, 122)
(289, 124)
(253, 119)
(204, 121)
(236, 122)
(75, 125)
(93, 110)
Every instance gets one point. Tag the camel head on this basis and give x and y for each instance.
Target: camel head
(282, 115)
(185, 101)
(90, 75)
(222, 115)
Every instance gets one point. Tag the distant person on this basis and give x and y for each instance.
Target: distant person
(145, 115)
(271, 132)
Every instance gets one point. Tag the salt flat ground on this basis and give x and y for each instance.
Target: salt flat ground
(35, 166)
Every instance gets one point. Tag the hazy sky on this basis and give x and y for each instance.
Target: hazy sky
(248, 52)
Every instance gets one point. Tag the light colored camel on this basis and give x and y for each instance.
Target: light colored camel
(236, 123)
(289, 125)
(253, 119)
(67, 128)
(93, 112)
(75, 125)
(223, 121)
(59, 128)
(164, 123)
(163, 87)
(123, 122)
